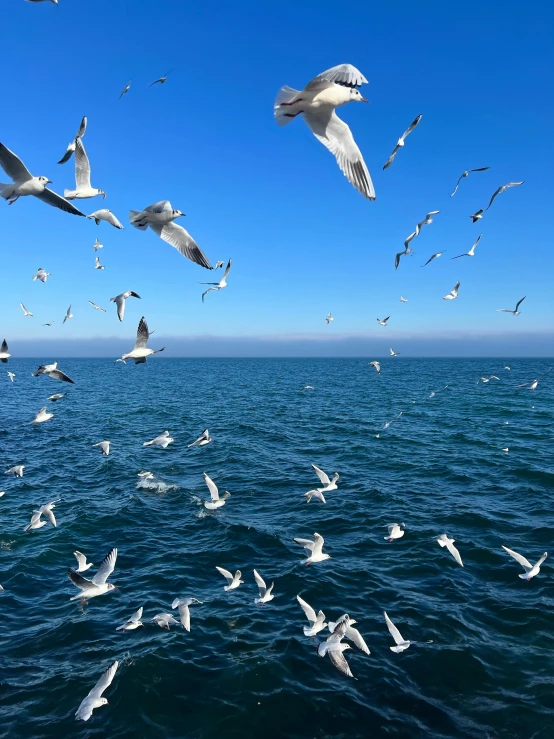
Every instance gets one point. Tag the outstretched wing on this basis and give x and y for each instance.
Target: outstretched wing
(341, 74)
(13, 166)
(396, 635)
(226, 574)
(106, 568)
(306, 543)
(324, 478)
(52, 198)
(142, 334)
(82, 166)
(78, 580)
(178, 237)
(520, 302)
(308, 610)
(519, 558)
(212, 487)
(338, 659)
(105, 681)
(260, 583)
(59, 375)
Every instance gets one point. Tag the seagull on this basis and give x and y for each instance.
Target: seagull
(82, 564)
(350, 633)
(233, 581)
(48, 324)
(164, 620)
(395, 531)
(505, 449)
(426, 221)
(218, 285)
(94, 698)
(388, 423)
(403, 299)
(71, 146)
(56, 396)
(401, 140)
(126, 89)
(52, 371)
(471, 252)
(163, 440)
(42, 416)
(96, 307)
(487, 379)
(383, 322)
(307, 387)
(465, 174)
(41, 275)
(105, 215)
(36, 522)
(97, 245)
(26, 312)
(25, 184)
(397, 258)
(314, 548)
(160, 217)
(531, 385)
(202, 440)
(16, 471)
(433, 256)
(317, 103)
(184, 612)
(218, 265)
(68, 314)
(317, 622)
(377, 366)
(4, 356)
(515, 312)
(265, 592)
(393, 353)
(104, 447)
(97, 264)
(401, 643)
(83, 188)
(530, 570)
(334, 648)
(444, 541)
(503, 189)
(161, 80)
(132, 623)
(329, 318)
(477, 215)
(506, 367)
(11, 375)
(98, 585)
(216, 501)
(453, 294)
(146, 475)
(328, 485)
(120, 299)
(140, 350)
(46, 510)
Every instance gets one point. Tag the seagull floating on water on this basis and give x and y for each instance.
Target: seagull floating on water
(184, 612)
(265, 593)
(105, 215)
(314, 548)
(71, 146)
(233, 581)
(202, 440)
(163, 440)
(453, 294)
(140, 351)
(120, 299)
(471, 252)
(104, 447)
(444, 541)
(94, 698)
(83, 188)
(217, 285)
(401, 140)
(51, 370)
(317, 622)
(216, 501)
(133, 622)
(98, 585)
(515, 312)
(41, 275)
(465, 174)
(530, 570)
(82, 564)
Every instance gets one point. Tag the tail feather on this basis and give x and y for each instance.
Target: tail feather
(285, 95)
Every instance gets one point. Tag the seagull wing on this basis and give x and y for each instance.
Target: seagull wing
(520, 302)
(338, 659)
(519, 558)
(13, 166)
(260, 583)
(82, 166)
(78, 580)
(454, 552)
(136, 616)
(357, 639)
(396, 635)
(178, 237)
(308, 610)
(160, 207)
(501, 189)
(81, 559)
(322, 475)
(390, 160)
(59, 375)
(306, 543)
(411, 127)
(342, 74)
(142, 334)
(459, 255)
(68, 152)
(318, 544)
(212, 487)
(49, 514)
(457, 185)
(105, 681)
(106, 568)
(337, 137)
(227, 270)
(226, 574)
(52, 198)
(82, 128)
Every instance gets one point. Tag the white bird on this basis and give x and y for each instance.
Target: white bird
(165, 620)
(329, 318)
(401, 140)
(515, 312)
(16, 471)
(377, 366)
(233, 581)
(51, 371)
(163, 440)
(94, 698)
(334, 648)
(25, 184)
(97, 307)
(350, 633)
(388, 423)
(477, 215)
(216, 501)
(426, 221)
(11, 375)
(383, 322)
(98, 585)
(433, 256)
(82, 564)
(41, 275)
(97, 264)
(162, 80)
(146, 475)
(71, 146)
(68, 315)
(202, 440)
(217, 285)
(401, 643)
(83, 188)
(56, 396)
(328, 485)
(120, 299)
(505, 450)
(46, 510)
(393, 353)
(26, 312)
(125, 89)
(531, 385)
(36, 522)
(219, 264)
(4, 356)
(484, 380)
(396, 531)
(317, 622)
(104, 447)
(97, 245)
(502, 189)
(403, 299)
(265, 593)
(140, 350)
(314, 548)
(42, 416)
(465, 174)
(530, 570)
(317, 103)
(506, 368)
(160, 217)
(133, 622)
(444, 541)
(453, 294)
(105, 215)
(471, 252)
(184, 612)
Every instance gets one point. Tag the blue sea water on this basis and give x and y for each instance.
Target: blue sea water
(245, 671)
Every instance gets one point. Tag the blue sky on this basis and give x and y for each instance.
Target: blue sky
(303, 241)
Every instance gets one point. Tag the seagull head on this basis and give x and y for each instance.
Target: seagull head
(44, 180)
(102, 701)
(111, 587)
(178, 213)
(355, 94)
(101, 192)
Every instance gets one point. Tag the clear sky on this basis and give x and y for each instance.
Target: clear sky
(303, 241)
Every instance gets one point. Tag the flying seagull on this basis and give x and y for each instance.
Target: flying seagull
(68, 314)
(83, 188)
(350, 632)
(120, 299)
(477, 216)
(433, 256)
(329, 318)
(94, 698)
(233, 581)
(184, 611)
(265, 593)
(96, 307)
(401, 140)
(317, 103)
(104, 447)
(56, 396)
(219, 264)
(133, 622)
(466, 174)
(164, 620)
(48, 324)
(471, 252)
(515, 312)
(16, 471)
(25, 184)
(502, 189)
(11, 375)
(334, 648)
(163, 440)
(26, 312)
(216, 501)
(5, 355)
(105, 215)
(328, 485)
(453, 294)
(97, 264)
(41, 1)
(202, 440)
(396, 531)
(162, 80)
(71, 146)
(126, 89)
(41, 275)
(52, 371)
(444, 541)
(140, 350)
(403, 299)
(82, 564)
(42, 416)
(393, 353)
(400, 643)
(97, 245)
(217, 285)
(383, 322)
(377, 366)
(160, 217)
(317, 621)
(314, 549)
(426, 221)
(98, 585)
(530, 570)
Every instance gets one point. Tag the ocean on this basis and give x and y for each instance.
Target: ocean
(249, 671)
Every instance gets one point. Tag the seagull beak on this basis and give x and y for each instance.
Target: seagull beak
(49, 182)
(364, 100)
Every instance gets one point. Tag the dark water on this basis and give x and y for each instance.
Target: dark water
(246, 671)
